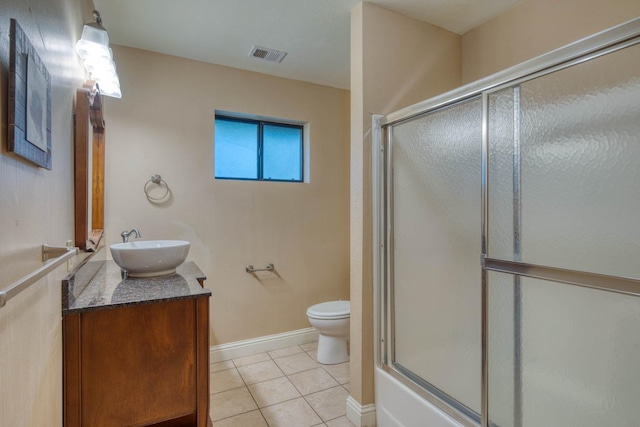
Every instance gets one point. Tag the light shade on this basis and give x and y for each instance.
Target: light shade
(93, 48)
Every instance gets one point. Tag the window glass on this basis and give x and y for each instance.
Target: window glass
(257, 150)
(236, 149)
(282, 151)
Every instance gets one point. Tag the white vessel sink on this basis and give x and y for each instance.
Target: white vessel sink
(149, 258)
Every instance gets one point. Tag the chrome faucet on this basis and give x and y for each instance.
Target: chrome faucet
(125, 234)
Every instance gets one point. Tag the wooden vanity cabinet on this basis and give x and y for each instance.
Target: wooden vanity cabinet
(138, 365)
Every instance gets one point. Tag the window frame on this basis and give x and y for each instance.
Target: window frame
(260, 142)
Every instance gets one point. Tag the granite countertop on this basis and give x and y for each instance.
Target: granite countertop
(98, 285)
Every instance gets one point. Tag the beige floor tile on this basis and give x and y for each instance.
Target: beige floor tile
(310, 346)
(329, 404)
(340, 372)
(292, 413)
(234, 405)
(221, 366)
(225, 380)
(273, 391)
(347, 385)
(248, 360)
(230, 403)
(258, 372)
(312, 381)
(285, 352)
(296, 363)
(338, 422)
(250, 419)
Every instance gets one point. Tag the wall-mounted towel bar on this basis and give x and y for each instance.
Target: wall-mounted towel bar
(50, 252)
(250, 269)
(15, 288)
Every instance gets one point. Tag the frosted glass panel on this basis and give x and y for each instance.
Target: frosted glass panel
(436, 247)
(501, 342)
(501, 166)
(580, 354)
(580, 167)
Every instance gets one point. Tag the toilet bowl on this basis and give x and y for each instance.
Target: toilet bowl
(331, 319)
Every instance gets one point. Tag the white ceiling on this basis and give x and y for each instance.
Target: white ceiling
(314, 33)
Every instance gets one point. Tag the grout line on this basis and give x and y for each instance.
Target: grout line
(236, 415)
(224, 391)
(294, 386)
(336, 380)
(264, 381)
(235, 388)
(263, 417)
(284, 401)
(336, 418)
(312, 408)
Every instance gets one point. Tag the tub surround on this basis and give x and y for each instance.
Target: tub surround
(136, 350)
(98, 285)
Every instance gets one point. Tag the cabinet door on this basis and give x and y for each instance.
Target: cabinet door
(138, 364)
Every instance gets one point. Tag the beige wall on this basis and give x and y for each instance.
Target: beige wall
(395, 62)
(164, 124)
(36, 207)
(536, 27)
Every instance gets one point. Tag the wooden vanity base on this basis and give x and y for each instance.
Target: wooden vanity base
(139, 365)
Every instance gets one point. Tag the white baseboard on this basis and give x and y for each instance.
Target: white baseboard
(218, 353)
(361, 416)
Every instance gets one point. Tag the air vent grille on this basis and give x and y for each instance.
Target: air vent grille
(267, 54)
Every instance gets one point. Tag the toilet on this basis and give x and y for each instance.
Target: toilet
(331, 319)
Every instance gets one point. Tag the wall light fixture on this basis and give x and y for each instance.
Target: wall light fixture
(93, 48)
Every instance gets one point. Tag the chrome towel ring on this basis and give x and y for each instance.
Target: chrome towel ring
(156, 180)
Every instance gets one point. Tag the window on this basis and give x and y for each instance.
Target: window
(257, 150)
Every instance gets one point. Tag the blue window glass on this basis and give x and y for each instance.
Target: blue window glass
(257, 150)
(236, 149)
(282, 153)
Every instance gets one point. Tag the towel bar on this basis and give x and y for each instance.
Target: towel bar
(250, 269)
(18, 286)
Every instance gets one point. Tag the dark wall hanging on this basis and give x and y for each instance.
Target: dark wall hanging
(29, 101)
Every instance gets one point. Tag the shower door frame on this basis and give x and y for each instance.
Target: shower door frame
(597, 45)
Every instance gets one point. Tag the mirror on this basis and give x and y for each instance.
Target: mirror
(89, 168)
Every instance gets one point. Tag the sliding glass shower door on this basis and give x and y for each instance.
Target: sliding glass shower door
(564, 206)
(510, 248)
(435, 175)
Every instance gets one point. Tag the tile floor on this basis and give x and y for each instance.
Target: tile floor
(281, 388)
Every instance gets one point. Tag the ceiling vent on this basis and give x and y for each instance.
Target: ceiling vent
(267, 54)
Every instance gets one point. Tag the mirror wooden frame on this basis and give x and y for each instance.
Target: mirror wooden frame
(89, 181)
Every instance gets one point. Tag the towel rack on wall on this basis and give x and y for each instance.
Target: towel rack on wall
(62, 253)
(158, 181)
(251, 270)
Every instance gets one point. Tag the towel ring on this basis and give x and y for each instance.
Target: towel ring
(157, 180)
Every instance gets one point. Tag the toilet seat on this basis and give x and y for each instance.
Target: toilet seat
(330, 310)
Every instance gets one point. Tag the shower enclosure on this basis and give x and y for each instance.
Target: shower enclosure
(508, 245)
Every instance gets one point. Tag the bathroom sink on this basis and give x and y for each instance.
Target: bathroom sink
(149, 258)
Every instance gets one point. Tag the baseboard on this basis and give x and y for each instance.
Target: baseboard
(218, 353)
(361, 416)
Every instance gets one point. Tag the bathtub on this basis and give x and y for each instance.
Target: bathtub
(399, 406)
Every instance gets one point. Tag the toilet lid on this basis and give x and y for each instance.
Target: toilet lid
(331, 309)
